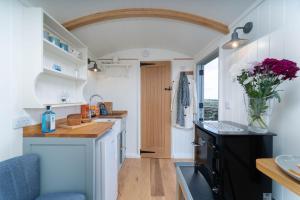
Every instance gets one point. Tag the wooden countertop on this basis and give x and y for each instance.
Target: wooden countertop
(269, 168)
(93, 130)
(117, 114)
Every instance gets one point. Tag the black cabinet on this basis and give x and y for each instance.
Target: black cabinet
(227, 160)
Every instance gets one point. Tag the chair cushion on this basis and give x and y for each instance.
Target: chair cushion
(62, 196)
(20, 178)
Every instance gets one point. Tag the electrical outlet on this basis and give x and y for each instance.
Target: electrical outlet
(20, 122)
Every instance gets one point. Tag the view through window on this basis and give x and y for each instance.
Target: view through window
(211, 99)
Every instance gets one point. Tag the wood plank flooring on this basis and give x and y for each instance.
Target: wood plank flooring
(147, 179)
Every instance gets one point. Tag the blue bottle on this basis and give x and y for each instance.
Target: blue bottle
(48, 120)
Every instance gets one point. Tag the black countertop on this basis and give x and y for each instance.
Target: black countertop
(244, 132)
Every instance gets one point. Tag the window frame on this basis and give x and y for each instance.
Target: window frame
(200, 81)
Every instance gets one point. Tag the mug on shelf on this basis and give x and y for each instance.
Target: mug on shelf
(64, 46)
(55, 40)
(56, 67)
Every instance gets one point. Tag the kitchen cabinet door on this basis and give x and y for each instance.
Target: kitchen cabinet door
(119, 150)
(110, 168)
(123, 146)
(98, 170)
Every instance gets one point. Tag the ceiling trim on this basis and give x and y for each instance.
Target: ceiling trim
(146, 12)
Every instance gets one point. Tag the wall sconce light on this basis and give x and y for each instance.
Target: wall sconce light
(95, 66)
(235, 41)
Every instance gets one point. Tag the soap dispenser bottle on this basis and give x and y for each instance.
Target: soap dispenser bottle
(48, 120)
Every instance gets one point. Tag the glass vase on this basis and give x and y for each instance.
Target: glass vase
(259, 112)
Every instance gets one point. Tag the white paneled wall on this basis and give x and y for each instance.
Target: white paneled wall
(182, 138)
(276, 34)
(10, 18)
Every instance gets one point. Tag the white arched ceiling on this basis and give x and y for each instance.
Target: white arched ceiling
(116, 35)
(108, 37)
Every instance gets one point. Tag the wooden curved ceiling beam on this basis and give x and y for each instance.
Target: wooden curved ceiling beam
(147, 12)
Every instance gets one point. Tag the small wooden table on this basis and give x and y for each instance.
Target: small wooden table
(269, 168)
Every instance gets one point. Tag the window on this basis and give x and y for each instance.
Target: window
(211, 100)
(207, 86)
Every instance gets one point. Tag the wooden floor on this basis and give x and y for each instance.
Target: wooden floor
(147, 179)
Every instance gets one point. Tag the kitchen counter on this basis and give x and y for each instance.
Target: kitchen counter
(117, 114)
(93, 130)
(89, 148)
(75, 159)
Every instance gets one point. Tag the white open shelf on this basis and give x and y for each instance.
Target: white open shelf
(48, 46)
(54, 26)
(42, 84)
(57, 105)
(62, 75)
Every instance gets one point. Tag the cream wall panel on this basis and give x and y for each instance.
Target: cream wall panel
(276, 35)
(277, 44)
(10, 18)
(263, 48)
(276, 14)
(263, 22)
(182, 138)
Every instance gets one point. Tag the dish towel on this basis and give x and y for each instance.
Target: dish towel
(183, 98)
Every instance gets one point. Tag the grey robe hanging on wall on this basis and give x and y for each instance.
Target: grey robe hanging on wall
(183, 98)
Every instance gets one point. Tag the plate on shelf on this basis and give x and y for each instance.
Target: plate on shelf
(289, 164)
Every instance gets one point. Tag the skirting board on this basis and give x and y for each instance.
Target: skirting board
(175, 156)
(132, 155)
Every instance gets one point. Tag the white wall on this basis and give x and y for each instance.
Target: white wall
(275, 34)
(124, 92)
(11, 12)
(182, 138)
(10, 15)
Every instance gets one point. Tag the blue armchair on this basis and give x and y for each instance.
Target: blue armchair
(20, 180)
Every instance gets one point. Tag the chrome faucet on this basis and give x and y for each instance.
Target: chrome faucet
(90, 103)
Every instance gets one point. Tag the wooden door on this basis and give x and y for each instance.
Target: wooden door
(156, 109)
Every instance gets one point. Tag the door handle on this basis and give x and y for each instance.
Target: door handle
(143, 151)
(169, 88)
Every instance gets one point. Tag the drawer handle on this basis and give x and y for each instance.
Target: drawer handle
(195, 145)
(199, 145)
(212, 146)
